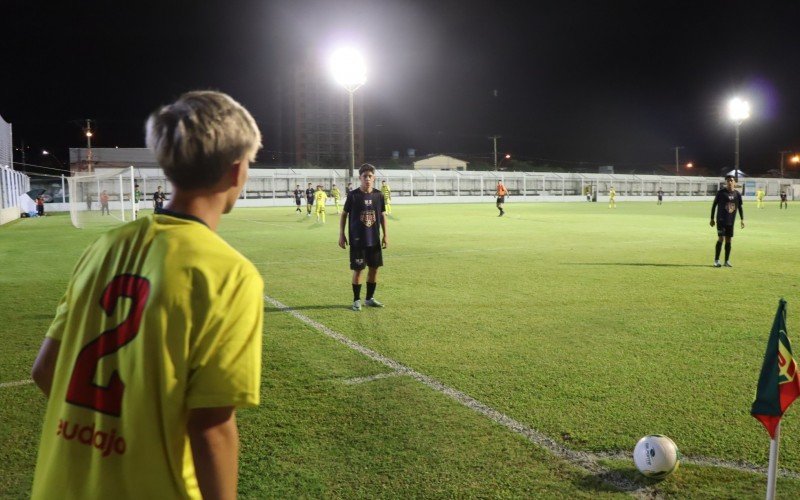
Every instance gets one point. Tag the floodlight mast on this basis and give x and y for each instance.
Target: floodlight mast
(738, 111)
(350, 72)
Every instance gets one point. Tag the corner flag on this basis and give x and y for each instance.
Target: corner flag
(779, 384)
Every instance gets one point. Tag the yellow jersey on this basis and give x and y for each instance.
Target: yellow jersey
(336, 193)
(160, 316)
(320, 198)
(387, 192)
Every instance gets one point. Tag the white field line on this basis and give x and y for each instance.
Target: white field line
(361, 380)
(586, 461)
(3, 385)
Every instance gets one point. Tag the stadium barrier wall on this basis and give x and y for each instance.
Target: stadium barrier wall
(13, 184)
(273, 187)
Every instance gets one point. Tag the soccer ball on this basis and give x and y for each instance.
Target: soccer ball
(656, 456)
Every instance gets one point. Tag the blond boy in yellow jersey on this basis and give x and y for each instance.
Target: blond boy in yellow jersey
(337, 196)
(760, 198)
(612, 195)
(387, 197)
(320, 197)
(157, 339)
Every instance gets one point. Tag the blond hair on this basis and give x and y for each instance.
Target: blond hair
(198, 137)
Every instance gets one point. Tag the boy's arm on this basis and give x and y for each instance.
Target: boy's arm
(713, 208)
(384, 240)
(342, 223)
(45, 365)
(215, 449)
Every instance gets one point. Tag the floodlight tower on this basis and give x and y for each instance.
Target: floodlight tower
(738, 111)
(350, 72)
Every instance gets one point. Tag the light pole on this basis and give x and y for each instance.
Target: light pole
(350, 72)
(738, 111)
(677, 170)
(494, 141)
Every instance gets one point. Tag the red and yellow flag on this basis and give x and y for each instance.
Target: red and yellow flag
(779, 384)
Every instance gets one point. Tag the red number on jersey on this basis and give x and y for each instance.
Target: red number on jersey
(82, 390)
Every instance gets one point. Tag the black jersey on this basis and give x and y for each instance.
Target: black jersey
(298, 194)
(783, 196)
(310, 195)
(365, 211)
(158, 198)
(727, 203)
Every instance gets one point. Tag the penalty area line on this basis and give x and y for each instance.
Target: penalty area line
(586, 461)
(16, 383)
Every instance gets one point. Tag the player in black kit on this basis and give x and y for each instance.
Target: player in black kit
(365, 211)
(298, 198)
(309, 198)
(726, 203)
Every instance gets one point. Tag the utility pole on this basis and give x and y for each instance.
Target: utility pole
(89, 143)
(494, 140)
(677, 162)
(783, 154)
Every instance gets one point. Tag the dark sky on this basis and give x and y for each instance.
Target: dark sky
(601, 82)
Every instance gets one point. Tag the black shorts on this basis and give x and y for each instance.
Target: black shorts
(501, 199)
(724, 230)
(361, 257)
(298, 201)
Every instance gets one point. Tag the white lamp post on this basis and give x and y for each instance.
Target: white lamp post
(351, 73)
(738, 111)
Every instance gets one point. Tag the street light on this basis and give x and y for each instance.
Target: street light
(689, 165)
(350, 72)
(738, 111)
(48, 153)
(506, 157)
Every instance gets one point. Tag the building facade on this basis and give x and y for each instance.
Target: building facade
(315, 120)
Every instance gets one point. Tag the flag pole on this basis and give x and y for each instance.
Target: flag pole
(772, 471)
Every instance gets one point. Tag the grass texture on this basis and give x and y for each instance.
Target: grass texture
(590, 325)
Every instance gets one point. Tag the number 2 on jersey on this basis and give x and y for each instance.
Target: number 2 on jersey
(82, 390)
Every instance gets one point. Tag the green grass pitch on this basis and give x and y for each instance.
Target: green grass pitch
(587, 325)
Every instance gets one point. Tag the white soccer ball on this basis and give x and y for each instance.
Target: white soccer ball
(656, 456)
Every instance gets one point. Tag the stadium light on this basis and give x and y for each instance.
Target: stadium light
(349, 71)
(738, 111)
(689, 165)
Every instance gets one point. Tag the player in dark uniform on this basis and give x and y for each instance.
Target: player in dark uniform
(298, 198)
(309, 198)
(660, 194)
(158, 200)
(784, 203)
(726, 203)
(364, 209)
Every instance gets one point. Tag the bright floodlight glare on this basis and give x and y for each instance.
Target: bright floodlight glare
(738, 109)
(88, 134)
(795, 159)
(348, 68)
(508, 156)
(45, 152)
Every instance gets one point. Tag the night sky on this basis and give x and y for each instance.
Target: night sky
(574, 83)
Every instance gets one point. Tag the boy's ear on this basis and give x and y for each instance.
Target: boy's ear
(236, 177)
